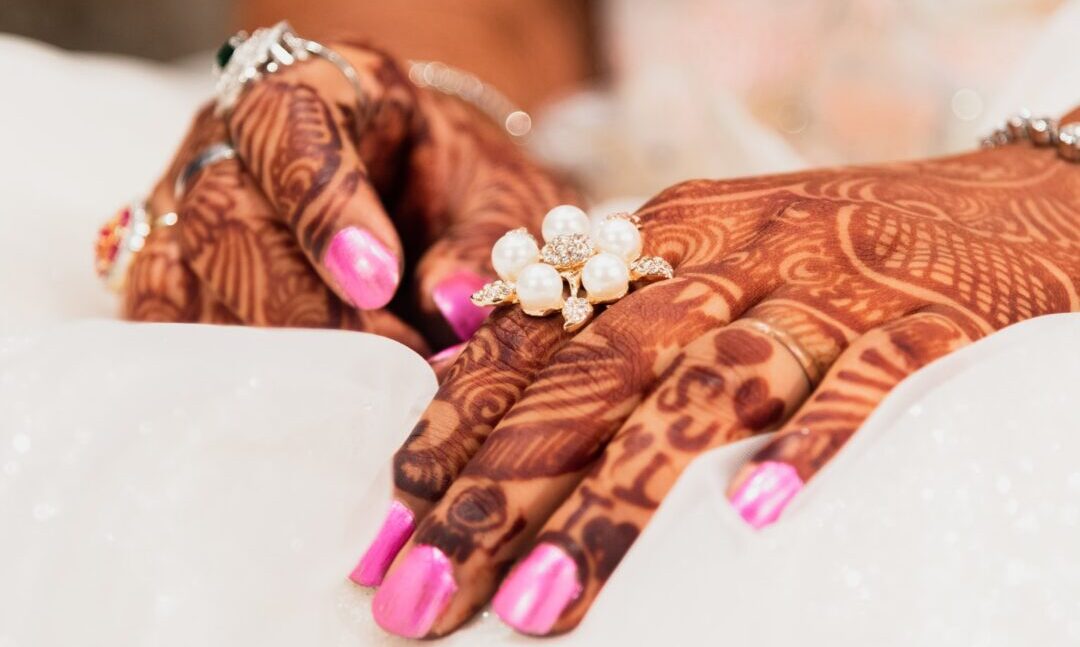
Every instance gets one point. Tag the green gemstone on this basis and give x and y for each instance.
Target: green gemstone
(224, 53)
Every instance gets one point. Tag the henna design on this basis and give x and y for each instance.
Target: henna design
(479, 388)
(450, 180)
(606, 543)
(475, 510)
(855, 386)
(827, 255)
(984, 239)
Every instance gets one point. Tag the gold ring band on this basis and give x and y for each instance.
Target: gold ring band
(810, 367)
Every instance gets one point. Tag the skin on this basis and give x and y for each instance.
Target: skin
(428, 175)
(537, 435)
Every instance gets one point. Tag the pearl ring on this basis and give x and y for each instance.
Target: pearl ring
(603, 259)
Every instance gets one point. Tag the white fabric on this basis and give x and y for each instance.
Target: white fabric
(174, 485)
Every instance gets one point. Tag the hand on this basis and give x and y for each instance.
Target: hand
(330, 199)
(556, 449)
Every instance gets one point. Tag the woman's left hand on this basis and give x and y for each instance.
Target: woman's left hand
(798, 302)
(373, 212)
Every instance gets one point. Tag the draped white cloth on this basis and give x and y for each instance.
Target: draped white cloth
(178, 485)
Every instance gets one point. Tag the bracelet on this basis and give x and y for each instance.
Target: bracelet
(470, 89)
(1040, 131)
(245, 58)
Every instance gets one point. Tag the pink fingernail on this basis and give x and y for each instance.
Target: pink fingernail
(446, 353)
(451, 296)
(535, 594)
(414, 595)
(395, 531)
(363, 267)
(765, 494)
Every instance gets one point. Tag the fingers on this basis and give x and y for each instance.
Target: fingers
(538, 452)
(476, 392)
(726, 385)
(861, 377)
(502, 189)
(441, 361)
(294, 140)
(250, 260)
(458, 264)
(161, 288)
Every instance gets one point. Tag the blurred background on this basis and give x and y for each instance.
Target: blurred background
(633, 95)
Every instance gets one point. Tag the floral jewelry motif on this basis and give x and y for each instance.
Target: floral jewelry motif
(601, 260)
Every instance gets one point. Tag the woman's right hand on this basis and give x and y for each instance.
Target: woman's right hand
(374, 215)
(798, 302)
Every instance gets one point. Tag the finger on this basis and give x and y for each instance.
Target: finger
(441, 361)
(725, 386)
(251, 261)
(160, 287)
(504, 190)
(295, 141)
(504, 357)
(506, 354)
(861, 377)
(475, 392)
(539, 451)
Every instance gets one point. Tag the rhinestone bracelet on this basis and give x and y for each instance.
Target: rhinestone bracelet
(1040, 131)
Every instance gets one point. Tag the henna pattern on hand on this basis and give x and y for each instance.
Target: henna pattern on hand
(826, 256)
(451, 181)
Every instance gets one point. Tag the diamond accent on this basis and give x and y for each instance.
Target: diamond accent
(265, 50)
(576, 311)
(631, 218)
(650, 268)
(566, 252)
(496, 293)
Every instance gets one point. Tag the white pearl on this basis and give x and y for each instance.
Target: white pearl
(605, 277)
(564, 220)
(620, 237)
(513, 251)
(539, 288)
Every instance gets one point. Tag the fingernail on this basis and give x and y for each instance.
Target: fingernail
(767, 491)
(534, 595)
(395, 531)
(451, 297)
(446, 353)
(414, 595)
(363, 267)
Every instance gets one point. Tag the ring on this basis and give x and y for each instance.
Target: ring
(604, 259)
(806, 361)
(210, 155)
(121, 238)
(243, 59)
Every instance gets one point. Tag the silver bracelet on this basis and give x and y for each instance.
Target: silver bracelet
(1040, 131)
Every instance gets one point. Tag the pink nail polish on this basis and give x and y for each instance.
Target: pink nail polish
(446, 353)
(395, 531)
(363, 267)
(451, 296)
(534, 595)
(413, 596)
(765, 494)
